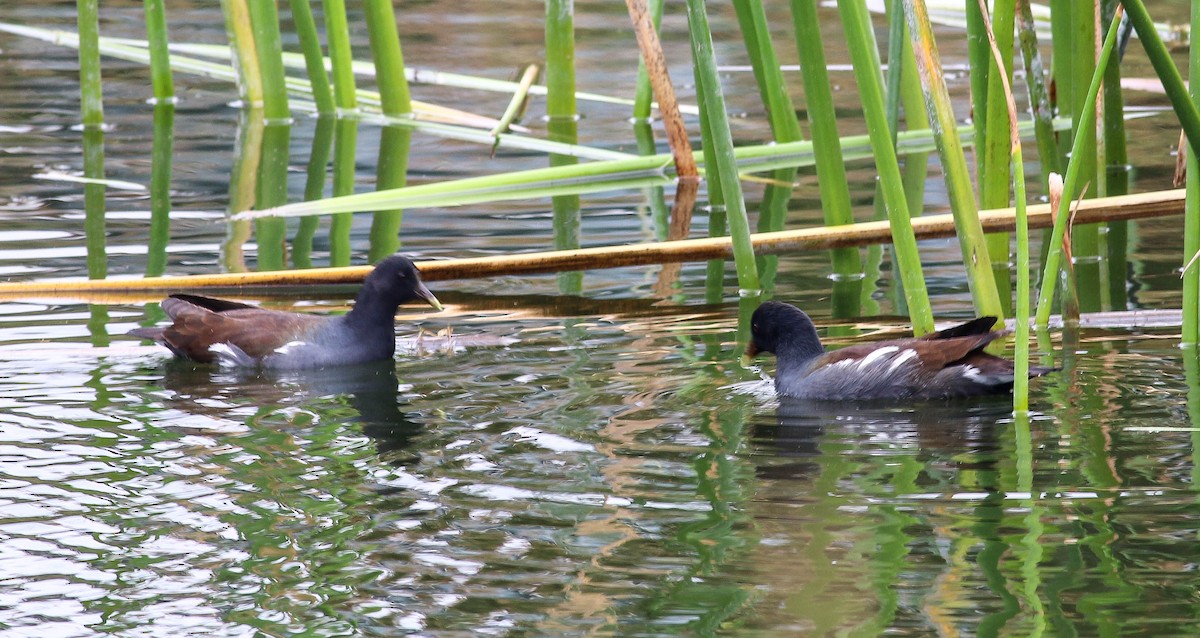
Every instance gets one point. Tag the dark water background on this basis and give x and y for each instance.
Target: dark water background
(539, 463)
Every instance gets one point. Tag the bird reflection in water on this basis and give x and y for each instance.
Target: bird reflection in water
(370, 390)
(965, 434)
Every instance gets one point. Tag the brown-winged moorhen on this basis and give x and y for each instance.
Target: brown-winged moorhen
(944, 364)
(232, 333)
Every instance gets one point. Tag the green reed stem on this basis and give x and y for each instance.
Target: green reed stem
(245, 51)
(1191, 222)
(865, 59)
(264, 17)
(91, 95)
(960, 192)
(562, 125)
(996, 152)
(345, 152)
(1039, 94)
(271, 238)
(1086, 120)
(314, 57)
(1000, 91)
(979, 60)
(160, 57)
(1085, 238)
(1164, 65)
(389, 62)
(337, 32)
(643, 99)
(712, 101)
(822, 118)
(772, 89)
(391, 172)
(94, 204)
(314, 189)
(911, 101)
(161, 155)
(1116, 174)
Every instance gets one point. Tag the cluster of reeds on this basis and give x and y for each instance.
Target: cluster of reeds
(906, 107)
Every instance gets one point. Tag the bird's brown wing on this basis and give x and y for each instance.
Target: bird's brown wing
(257, 331)
(933, 353)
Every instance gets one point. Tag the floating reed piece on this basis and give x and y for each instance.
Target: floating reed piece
(1143, 205)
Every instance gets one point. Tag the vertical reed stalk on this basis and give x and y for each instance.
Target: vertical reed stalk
(94, 203)
(394, 143)
(1116, 174)
(995, 154)
(643, 97)
(971, 239)
(389, 62)
(1039, 95)
(664, 92)
(1164, 65)
(1085, 237)
(314, 188)
(264, 17)
(160, 188)
(160, 57)
(391, 172)
(243, 187)
(271, 234)
(241, 36)
(781, 113)
(865, 59)
(345, 152)
(1004, 95)
(562, 124)
(91, 95)
(337, 32)
(1054, 252)
(1191, 222)
(314, 58)
(822, 119)
(712, 100)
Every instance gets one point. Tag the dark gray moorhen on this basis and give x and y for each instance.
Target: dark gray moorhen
(232, 333)
(944, 364)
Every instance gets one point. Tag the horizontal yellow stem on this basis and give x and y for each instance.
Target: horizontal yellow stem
(1154, 204)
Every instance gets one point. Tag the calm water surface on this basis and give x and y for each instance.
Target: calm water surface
(540, 463)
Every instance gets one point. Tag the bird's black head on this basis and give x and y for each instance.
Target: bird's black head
(776, 326)
(394, 281)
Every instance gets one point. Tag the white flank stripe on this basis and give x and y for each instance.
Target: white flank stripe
(876, 354)
(972, 373)
(289, 345)
(901, 358)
